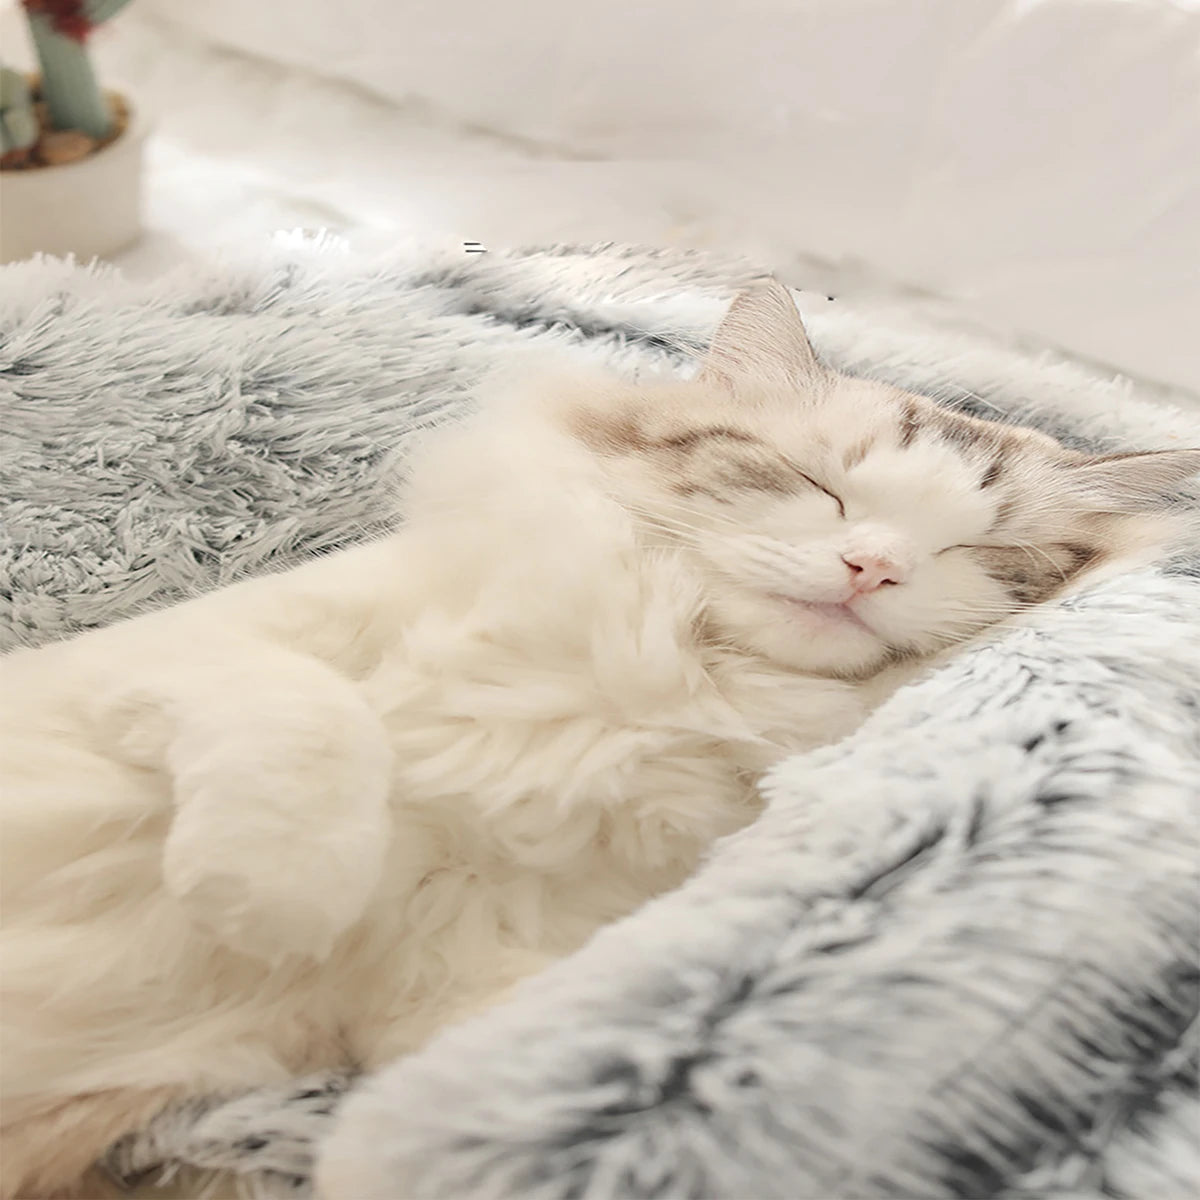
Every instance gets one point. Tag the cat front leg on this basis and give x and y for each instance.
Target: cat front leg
(282, 823)
(280, 773)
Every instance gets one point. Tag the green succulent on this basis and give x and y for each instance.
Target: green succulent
(59, 29)
(18, 124)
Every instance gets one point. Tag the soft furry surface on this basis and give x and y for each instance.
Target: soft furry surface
(957, 956)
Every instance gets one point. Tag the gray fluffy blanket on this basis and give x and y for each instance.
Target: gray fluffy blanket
(958, 956)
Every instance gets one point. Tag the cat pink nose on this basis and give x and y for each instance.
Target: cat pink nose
(870, 572)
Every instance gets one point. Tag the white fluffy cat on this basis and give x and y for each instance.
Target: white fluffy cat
(303, 822)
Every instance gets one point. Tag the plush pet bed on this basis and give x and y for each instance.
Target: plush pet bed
(958, 956)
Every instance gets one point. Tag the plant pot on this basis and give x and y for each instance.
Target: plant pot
(90, 208)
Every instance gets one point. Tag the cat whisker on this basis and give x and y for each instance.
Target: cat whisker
(667, 523)
(711, 517)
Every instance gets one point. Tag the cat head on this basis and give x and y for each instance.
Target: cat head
(839, 523)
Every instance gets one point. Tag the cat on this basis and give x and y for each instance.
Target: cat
(303, 822)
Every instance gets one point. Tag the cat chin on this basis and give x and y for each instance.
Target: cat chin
(802, 638)
(849, 655)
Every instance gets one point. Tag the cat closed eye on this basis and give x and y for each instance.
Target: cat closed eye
(820, 488)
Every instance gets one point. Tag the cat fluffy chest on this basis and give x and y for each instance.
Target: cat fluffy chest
(536, 799)
(519, 752)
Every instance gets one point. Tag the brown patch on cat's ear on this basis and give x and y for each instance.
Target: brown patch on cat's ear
(1135, 481)
(761, 341)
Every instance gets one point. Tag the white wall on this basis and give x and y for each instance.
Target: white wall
(1037, 160)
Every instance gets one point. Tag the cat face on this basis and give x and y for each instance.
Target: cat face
(839, 524)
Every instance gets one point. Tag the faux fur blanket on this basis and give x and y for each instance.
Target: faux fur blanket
(958, 956)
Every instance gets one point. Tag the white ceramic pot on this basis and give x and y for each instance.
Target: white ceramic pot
(90, 208)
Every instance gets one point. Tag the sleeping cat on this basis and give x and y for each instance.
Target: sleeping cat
(302, 822)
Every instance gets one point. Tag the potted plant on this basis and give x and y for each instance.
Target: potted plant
(70, 153)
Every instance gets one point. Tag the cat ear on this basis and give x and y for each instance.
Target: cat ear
(761, 340)
(1139, 480)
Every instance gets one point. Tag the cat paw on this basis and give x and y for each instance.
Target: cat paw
(278, 842)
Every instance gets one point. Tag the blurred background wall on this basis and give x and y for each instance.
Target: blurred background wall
(1033, 163)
